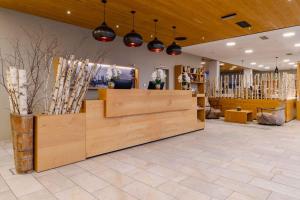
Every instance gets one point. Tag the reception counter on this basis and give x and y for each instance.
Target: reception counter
(119, 119)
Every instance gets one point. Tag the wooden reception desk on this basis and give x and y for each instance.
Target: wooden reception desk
(125, 118)
(119, 119)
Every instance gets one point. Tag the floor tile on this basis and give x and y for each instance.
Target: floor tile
(286, 180)
(276, 196)
(70, 170)
(182, 193)
(74, 193)
(145, 192)
(38, 195)
(238, 196)
(55, 182)
(112, 193)
(7, 195)
(243, 188)
(149, 178)
(113, 177)
(276, 187)
(206, 188)
(24, 184)
(89, 182)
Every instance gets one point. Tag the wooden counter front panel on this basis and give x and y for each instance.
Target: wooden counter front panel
(109, 134)
(59, 140)
(138, 101)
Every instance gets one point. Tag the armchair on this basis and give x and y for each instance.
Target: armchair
(212, 112)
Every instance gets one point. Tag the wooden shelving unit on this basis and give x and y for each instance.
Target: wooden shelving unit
(197, 85)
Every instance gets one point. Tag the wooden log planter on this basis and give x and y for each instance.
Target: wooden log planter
(22, 136)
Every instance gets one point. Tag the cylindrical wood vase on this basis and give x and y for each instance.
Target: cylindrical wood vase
(22, 136)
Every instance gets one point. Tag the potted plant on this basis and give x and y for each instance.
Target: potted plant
(158, 76)
(184, 79)
(112, 74)
(25, 74)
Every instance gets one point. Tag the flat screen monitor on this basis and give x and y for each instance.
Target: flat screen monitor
(151, 85)
(123, 84)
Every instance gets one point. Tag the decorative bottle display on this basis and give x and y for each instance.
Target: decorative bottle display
(192, 78)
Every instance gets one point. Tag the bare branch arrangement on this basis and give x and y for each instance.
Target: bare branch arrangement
(259, 86)
(25, 72)
(71, 84)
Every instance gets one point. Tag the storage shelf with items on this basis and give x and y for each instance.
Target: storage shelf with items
(194, 82)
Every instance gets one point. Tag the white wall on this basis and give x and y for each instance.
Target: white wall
(70, 37)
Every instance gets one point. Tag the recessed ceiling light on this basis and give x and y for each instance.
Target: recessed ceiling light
(230, 44)
(68, 12)
(203, 63)
(151, 36)
(221, 64)
(286, 60)
(117, 26)
(291, 63)
(260, 65)
(248, 51)
(253, 63)
(289, 34)
(297, 45)
(267, 67)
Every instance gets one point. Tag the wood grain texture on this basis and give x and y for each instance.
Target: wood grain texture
(198, 20)
(253, 104)
(139, 101)
(238, 116)
(59, 140)
(110, 134)
(298, 110)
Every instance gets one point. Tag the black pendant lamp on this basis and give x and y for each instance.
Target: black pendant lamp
(133, 39)
(155, 45)
(174, 49)
(104, 33)
(276, 68)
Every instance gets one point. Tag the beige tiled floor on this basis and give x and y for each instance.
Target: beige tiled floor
(224, 162)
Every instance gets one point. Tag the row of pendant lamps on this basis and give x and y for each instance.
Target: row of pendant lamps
(104, 33)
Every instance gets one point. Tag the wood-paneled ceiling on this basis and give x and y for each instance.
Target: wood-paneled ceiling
(198, 20)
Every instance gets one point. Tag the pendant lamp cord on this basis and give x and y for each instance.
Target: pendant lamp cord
(104, 14)
(174, 31)
(133, 12)
(155, 21)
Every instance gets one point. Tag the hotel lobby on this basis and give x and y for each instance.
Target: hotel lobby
(149, 100)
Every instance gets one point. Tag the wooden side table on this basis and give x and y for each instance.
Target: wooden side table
(238, 116)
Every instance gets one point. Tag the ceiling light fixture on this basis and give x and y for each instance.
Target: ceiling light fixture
(221, 64)
(286, 60)
(267, 67)
(230, 44)
(155, 45)
(68, 12)
(104, 33)
(203, 63)
(289, 34)
(133, 39)
(291, 63)
(260, 66)
(297, 45)
(248, 51)
(253, 63)
(174, 49)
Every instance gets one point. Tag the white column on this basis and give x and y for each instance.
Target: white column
(214, 73)
(248, 74)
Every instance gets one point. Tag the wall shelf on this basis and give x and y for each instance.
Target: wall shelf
(197, 84)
